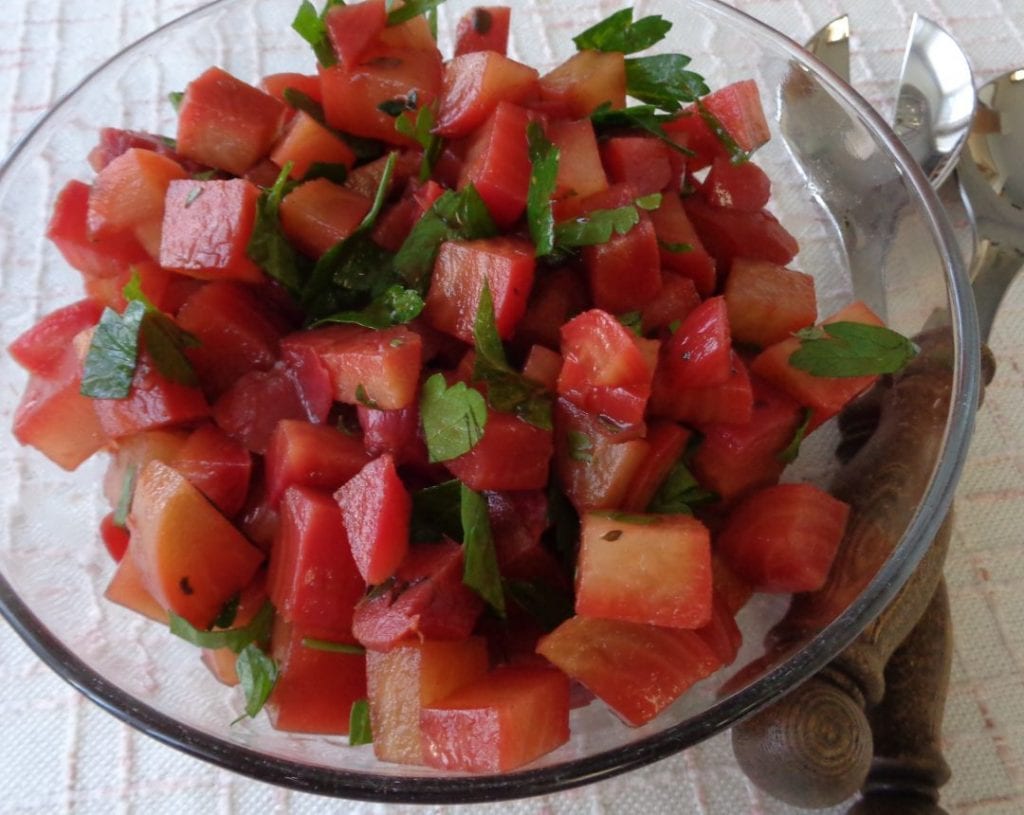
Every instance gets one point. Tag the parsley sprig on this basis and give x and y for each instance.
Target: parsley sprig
(543, 177)
(453, 418)
(847, 349)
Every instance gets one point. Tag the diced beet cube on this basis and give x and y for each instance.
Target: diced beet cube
(504, 720)
(483, 28)
(43, 349)
(315, 689)
(395, 432)
(636, 669)
(784, 538)
(656, 570)
(250, 409)
(743, 186)
(676, 299)
(768, 302)
(309, 455)
(732, 401)
(680, 246)
(729, 234)
(667, 442)
(353, 29)
(580, 171)
(401, 682)
(586, 81)
(427, 601)
(474, 85)
(352, 95)
(625, 272)
(308, 142)
(699, 352)
(512, 455)
(206, 229)
(640, 161)
(94, 258)
(505, 265)
(376, 508)
(318, 214)
(218, 466)
(312, 580)
(498, 163)
(374, 368)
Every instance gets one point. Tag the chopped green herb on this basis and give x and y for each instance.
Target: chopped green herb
(565, 524)
(268, 247)
(332, 647)
(680, 492)
(395, 306)
(176, 98)
(674, 247)
(792, 450)
(649, 202)
(454, 216)
(480, 561)
(663, 82)
(258, 630)
(736, 153)
(257, 674)
(547, 605)
(633, 320)
(596, 227)
(113, 352)
(620, 33)
(420, 130)
(205, 175)
(507, 390)
(363, 398)
(124, 501)
(634, 518)
(309, 24)
(436, 513)
(410, 9)
(543, 175)
(226, 617)
(166, 343)
(359, 730)
(638, 117)
(453, 418)
(581, 448)
(846, 349)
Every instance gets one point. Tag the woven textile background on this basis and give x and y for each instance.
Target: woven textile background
(59, 753)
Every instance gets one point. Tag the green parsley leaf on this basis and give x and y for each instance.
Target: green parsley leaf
(649, 202)
(507, 390)
(166, 342)
(257, 674)
(176, 98)
(633, 320)
(565, 522)
(268, 247)
(410, 9)
(332, 647)
(113, 352)
(436, 513)
(846, 349)
(359, 731)
(395, 306)
(480, 561)
(680, 492)
(662, 81)
(363, 398)
(309, 24)
(674, 247)
(355, 270)
(453, 418)
(736, 153)
(258, 630)
(454, 216)
(620, 33)
(124, 501)
(581, 447)
(638, 117)
(226, 616)
(596, 227)
(548, 606)
(420, 130)
(543, 175)
(792, 450)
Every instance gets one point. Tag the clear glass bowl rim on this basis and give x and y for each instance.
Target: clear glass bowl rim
(725, 713)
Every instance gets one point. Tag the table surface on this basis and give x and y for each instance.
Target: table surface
(59, 753)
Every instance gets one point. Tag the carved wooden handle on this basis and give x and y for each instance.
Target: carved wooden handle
(814, 747)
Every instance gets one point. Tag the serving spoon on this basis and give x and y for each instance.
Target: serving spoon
(871, 720)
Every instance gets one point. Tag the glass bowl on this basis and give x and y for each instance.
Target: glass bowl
(868, 224)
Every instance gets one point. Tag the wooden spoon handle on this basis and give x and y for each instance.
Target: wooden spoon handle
(908, 767)
(813, 748)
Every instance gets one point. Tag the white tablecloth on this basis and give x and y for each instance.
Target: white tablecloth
(59, 753)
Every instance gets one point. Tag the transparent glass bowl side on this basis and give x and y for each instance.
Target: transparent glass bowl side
(52, 573)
